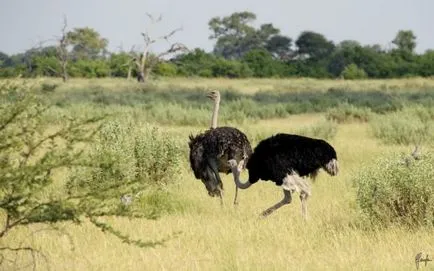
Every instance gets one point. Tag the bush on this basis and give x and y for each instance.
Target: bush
(230, 68)
(47, 87)
(89, 68)
(391, 191)
(262, 64)
(409, 126)
(352, 71)
(347, 113)
(165, 69)
(128, 153)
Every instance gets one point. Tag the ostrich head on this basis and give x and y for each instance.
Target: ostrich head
(332, 167)
(214, 95)
(212, 185)
(201, 168)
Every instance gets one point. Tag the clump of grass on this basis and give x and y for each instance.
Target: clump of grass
(324, 129)
(48, 87)
(347, 113)
(412, 125)
(400, 191)
(160, 202)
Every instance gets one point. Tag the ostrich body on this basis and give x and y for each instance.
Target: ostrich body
(211, 150)
(286, 160)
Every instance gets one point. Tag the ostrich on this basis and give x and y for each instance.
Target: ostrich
(211, 150)
(285, 159)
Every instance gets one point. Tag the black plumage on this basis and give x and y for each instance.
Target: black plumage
(286, 159)
(210, 152)
(274, 157)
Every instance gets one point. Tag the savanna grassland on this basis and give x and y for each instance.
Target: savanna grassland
(366, 121)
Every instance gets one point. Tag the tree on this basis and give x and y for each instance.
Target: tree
(120, 65)
(196, 62)
(426, 63)
(280, 47)
(262, 64)
(346, 53)
(4, 60)
(145, 61)
(87, 43)
(30, 155)
(405, 40)
(235, 36)
(314, 46)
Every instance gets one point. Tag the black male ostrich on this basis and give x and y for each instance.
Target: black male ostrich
(285, 159)
(211, 150)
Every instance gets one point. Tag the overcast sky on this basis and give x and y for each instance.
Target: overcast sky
(23, 23)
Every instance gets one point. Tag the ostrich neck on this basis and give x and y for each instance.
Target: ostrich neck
(240, 185)
(215, 113)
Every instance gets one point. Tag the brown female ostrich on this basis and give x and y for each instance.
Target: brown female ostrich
(285, 159)
(211, 150)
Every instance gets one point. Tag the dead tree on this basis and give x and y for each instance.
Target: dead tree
(145, 61)
(62, 51)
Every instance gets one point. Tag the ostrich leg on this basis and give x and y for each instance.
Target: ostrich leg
(303, 198)
(287, 198)
(293, 182)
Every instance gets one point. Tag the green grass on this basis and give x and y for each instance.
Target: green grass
(213, 237)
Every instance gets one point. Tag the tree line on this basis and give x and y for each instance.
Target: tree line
(240, 50)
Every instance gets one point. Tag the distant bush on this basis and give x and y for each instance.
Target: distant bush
(89, 69)
(262, 64)
(352, 72)
(346, 113)
(393, 192)
(411, 125)
(231, 69)
(165, 69)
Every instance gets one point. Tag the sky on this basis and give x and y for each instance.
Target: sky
(25, 23)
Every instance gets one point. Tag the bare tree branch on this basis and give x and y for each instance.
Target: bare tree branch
(166, 37)
(173, 49)
(143, 63)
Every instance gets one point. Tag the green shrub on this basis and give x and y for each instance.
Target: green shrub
(412, 125)
(137, 152)
(352, 71)
(89, 68)
(347, 113)
(165, 69)
(132, 158)
(262, 64)
(392, 191)
(230, 68)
